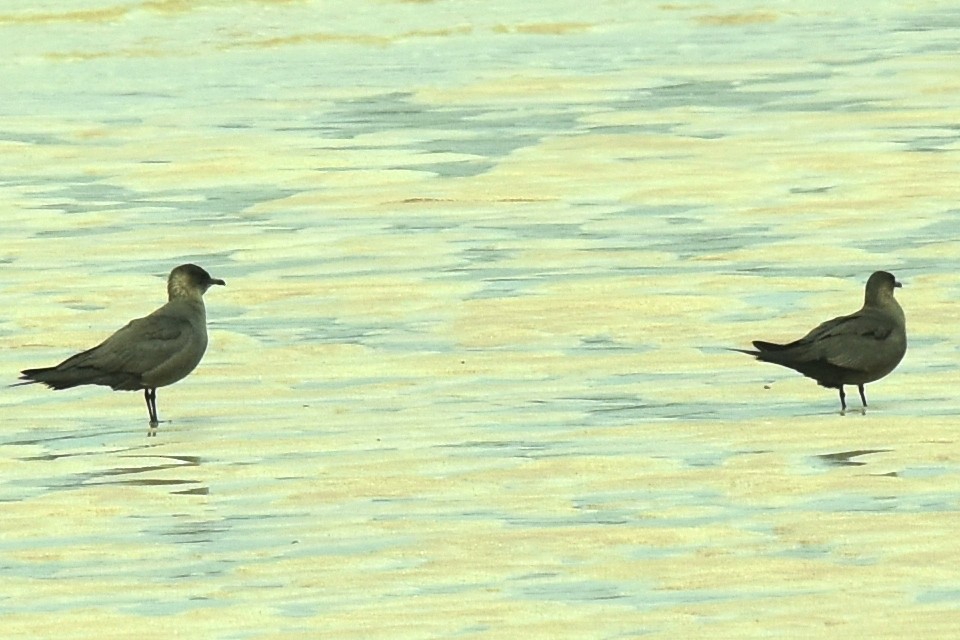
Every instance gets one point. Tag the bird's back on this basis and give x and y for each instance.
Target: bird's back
(149, 352)
(854, 349)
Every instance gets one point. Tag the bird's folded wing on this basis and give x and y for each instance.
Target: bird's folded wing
(140, 346)
(852, 342)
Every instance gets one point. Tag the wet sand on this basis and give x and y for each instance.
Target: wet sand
(468, 378)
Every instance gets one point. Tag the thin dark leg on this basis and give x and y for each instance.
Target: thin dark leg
(843, 401)
(863, 399)
(150, 395)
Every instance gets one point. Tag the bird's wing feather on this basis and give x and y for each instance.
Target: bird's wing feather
(849, 341)
(138, 347)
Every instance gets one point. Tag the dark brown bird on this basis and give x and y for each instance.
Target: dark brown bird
(855, 349)
(150, 352)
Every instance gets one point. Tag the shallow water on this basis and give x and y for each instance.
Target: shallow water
(468, 376)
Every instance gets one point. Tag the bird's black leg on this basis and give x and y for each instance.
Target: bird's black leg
(150, 395)
(843, 402)
(863, 399)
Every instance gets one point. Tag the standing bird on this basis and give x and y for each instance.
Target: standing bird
(854, 349)
(147, 353)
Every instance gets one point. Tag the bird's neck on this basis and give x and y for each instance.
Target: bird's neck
(887, 303)
(176, 291)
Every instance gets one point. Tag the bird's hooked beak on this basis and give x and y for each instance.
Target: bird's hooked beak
(896, 284)
(221, 282)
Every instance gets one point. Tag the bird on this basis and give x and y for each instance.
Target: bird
(150, 352)
(848, 350)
